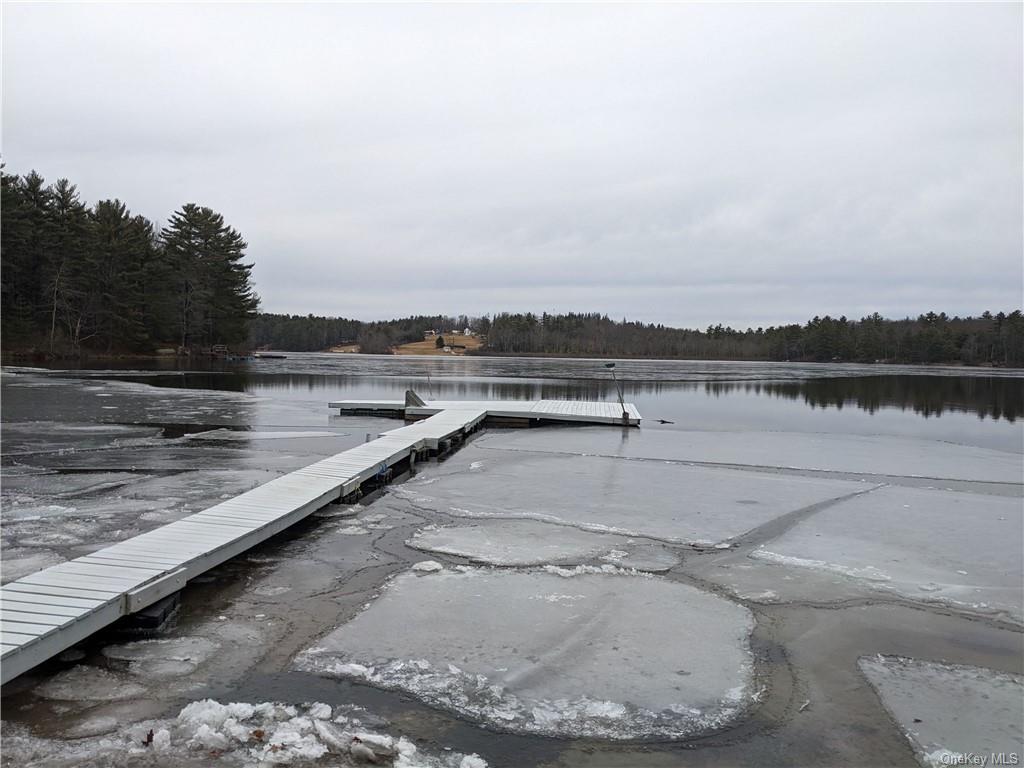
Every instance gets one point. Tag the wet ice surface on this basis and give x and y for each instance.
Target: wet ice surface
(643, 557)
(923, 544)
(886, 455)
(555, 652)
(123, 402)
(85, 683)
(228, 434)
(21, 561)
(26, 438)
(672, 502)
(950, 711)
(165, 657)
(237, 733)
(516, 542)
(526, 542)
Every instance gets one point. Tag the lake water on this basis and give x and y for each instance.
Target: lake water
(799, 519)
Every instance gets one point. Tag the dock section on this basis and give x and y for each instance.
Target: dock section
(46, 612)
(587, 412)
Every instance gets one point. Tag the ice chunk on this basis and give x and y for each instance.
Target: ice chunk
(427, 566)
(208, 738)
(586, 653)
(958, 548)
(169, 657)
(271, 591)
(94, 726)
(353, 530)
(515, 542)
(214, 714)
(161, 740)
(948, 710)
(644, 557)
(320, 711)
(86, 683)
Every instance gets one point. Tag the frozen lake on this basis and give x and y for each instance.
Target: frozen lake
(786, 564)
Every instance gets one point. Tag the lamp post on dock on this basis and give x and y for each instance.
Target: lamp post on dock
(618, 388)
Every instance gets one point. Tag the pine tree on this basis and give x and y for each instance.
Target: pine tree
(16, 262)
(214, 296)
(124, 261)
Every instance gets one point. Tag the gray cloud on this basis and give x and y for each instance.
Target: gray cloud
(685, 164)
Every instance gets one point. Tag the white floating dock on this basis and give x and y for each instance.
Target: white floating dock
(46, 612)
(589, 412)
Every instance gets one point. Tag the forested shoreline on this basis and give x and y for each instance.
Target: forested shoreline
(79, 279)
(990, 339)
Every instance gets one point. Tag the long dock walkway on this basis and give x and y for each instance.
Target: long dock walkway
(46, 612)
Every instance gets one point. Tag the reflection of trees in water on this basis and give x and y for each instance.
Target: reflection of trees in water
(436, 388)
(994, 397)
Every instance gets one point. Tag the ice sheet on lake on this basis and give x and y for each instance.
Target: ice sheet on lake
(230, 434)
(840, 453)
(961, 548)
(69, 400)
(560, 652)
(950, 710)
(25, 437)
(672, 502)
(239, 733)
(30, 487)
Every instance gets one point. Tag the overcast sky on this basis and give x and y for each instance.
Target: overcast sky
(684, 164)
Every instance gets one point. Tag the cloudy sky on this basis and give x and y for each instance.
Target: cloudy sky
(684, 164)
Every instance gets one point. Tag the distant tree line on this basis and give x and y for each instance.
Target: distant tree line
(301, 333)
(78, 278)
(309, 333)
(990, 339)
(931, 338)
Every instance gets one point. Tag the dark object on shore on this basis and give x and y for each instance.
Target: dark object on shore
(269, 356)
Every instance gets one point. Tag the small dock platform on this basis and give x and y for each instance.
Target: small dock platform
(46, 612)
